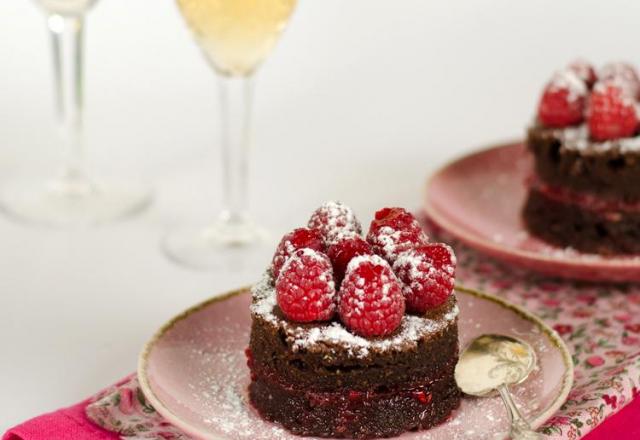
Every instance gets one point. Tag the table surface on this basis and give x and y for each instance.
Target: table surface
(360, 102)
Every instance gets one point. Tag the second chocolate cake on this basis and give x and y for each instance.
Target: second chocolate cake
(585, 190)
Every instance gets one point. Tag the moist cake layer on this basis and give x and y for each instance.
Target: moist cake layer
(353, 414)
(567, 157)
(327, 357)
(580, 227)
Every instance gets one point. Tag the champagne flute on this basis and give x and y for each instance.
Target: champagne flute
(72, 198)
(235, 37)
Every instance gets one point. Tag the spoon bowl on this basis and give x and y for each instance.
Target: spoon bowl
(492, 360)
(492, 363)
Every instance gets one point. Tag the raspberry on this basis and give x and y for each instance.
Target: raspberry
(625, 74)
(563, 100)
(393, 231)
(305, 290)
(371, 301)
(427, 274)
(335, 220)
(612, 112)
(343, 251)
(585, 71)
(291, 242)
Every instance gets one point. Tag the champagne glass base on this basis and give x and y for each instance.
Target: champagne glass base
(67, 203)
(223, 245)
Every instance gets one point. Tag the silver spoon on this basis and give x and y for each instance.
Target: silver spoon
(492, 362)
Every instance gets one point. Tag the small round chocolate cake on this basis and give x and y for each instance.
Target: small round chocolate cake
(370, 358)
(585, 191)
(321, 380)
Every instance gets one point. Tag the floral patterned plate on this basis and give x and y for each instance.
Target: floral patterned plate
(194, 373)
(478, 199)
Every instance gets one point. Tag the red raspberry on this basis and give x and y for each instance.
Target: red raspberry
(371, 301)
(291, 242)
(335, 220)
(585, 71)
(305, 290)
(393, 231)
(428, 276)
(612, 112)
(624, 73)
(563, 100)
(343, 251)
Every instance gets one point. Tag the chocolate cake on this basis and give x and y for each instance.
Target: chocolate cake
(585, 189)
(342, 376)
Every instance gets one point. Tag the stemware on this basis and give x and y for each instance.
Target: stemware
(73, 197)
(235, 37)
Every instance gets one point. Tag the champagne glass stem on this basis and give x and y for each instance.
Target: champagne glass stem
(236, 101)
(67, 44)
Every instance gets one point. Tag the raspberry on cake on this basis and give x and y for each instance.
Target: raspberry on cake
(563, 100)
(623, 72)
(585, 189)
(343, 251)
(371, 301)
(353, 364)
(427, 274)
(305, 288)
(291, 242)
(393, 231)
(585, 71)
(335, 220)
(612, 111)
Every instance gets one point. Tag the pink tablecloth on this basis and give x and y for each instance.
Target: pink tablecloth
(600, 324)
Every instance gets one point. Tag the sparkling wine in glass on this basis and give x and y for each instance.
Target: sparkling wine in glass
(72, 197)
(235, 37)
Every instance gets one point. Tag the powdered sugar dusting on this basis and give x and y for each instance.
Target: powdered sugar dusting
(359, 259)
(568, 80)
(387, 239)
(335, 335)
(336, 221)
(577, 138)
(297, 256)
(624, 76)
(226, 395)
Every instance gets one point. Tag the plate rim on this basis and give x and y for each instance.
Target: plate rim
(161, 409)
(497, 249)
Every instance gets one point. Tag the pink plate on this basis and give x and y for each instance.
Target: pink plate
(193, 371)
(478, 199)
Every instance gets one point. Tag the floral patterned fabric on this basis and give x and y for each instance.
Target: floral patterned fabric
(123, 408)
(600, 324)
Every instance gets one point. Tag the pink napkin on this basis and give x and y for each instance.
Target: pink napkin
(623, 425)
(64, 424)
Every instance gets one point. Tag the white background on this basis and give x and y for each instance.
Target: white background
(360, 101)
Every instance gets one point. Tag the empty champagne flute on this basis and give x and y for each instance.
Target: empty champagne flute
(235, 37)
(72, 198)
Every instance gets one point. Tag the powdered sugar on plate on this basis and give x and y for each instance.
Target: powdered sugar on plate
(197, 370)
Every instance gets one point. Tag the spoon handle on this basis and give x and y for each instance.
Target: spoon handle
(520, 428)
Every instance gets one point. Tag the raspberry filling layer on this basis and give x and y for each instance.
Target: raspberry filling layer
(584, 200)
(418, 389)
(355, 414)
